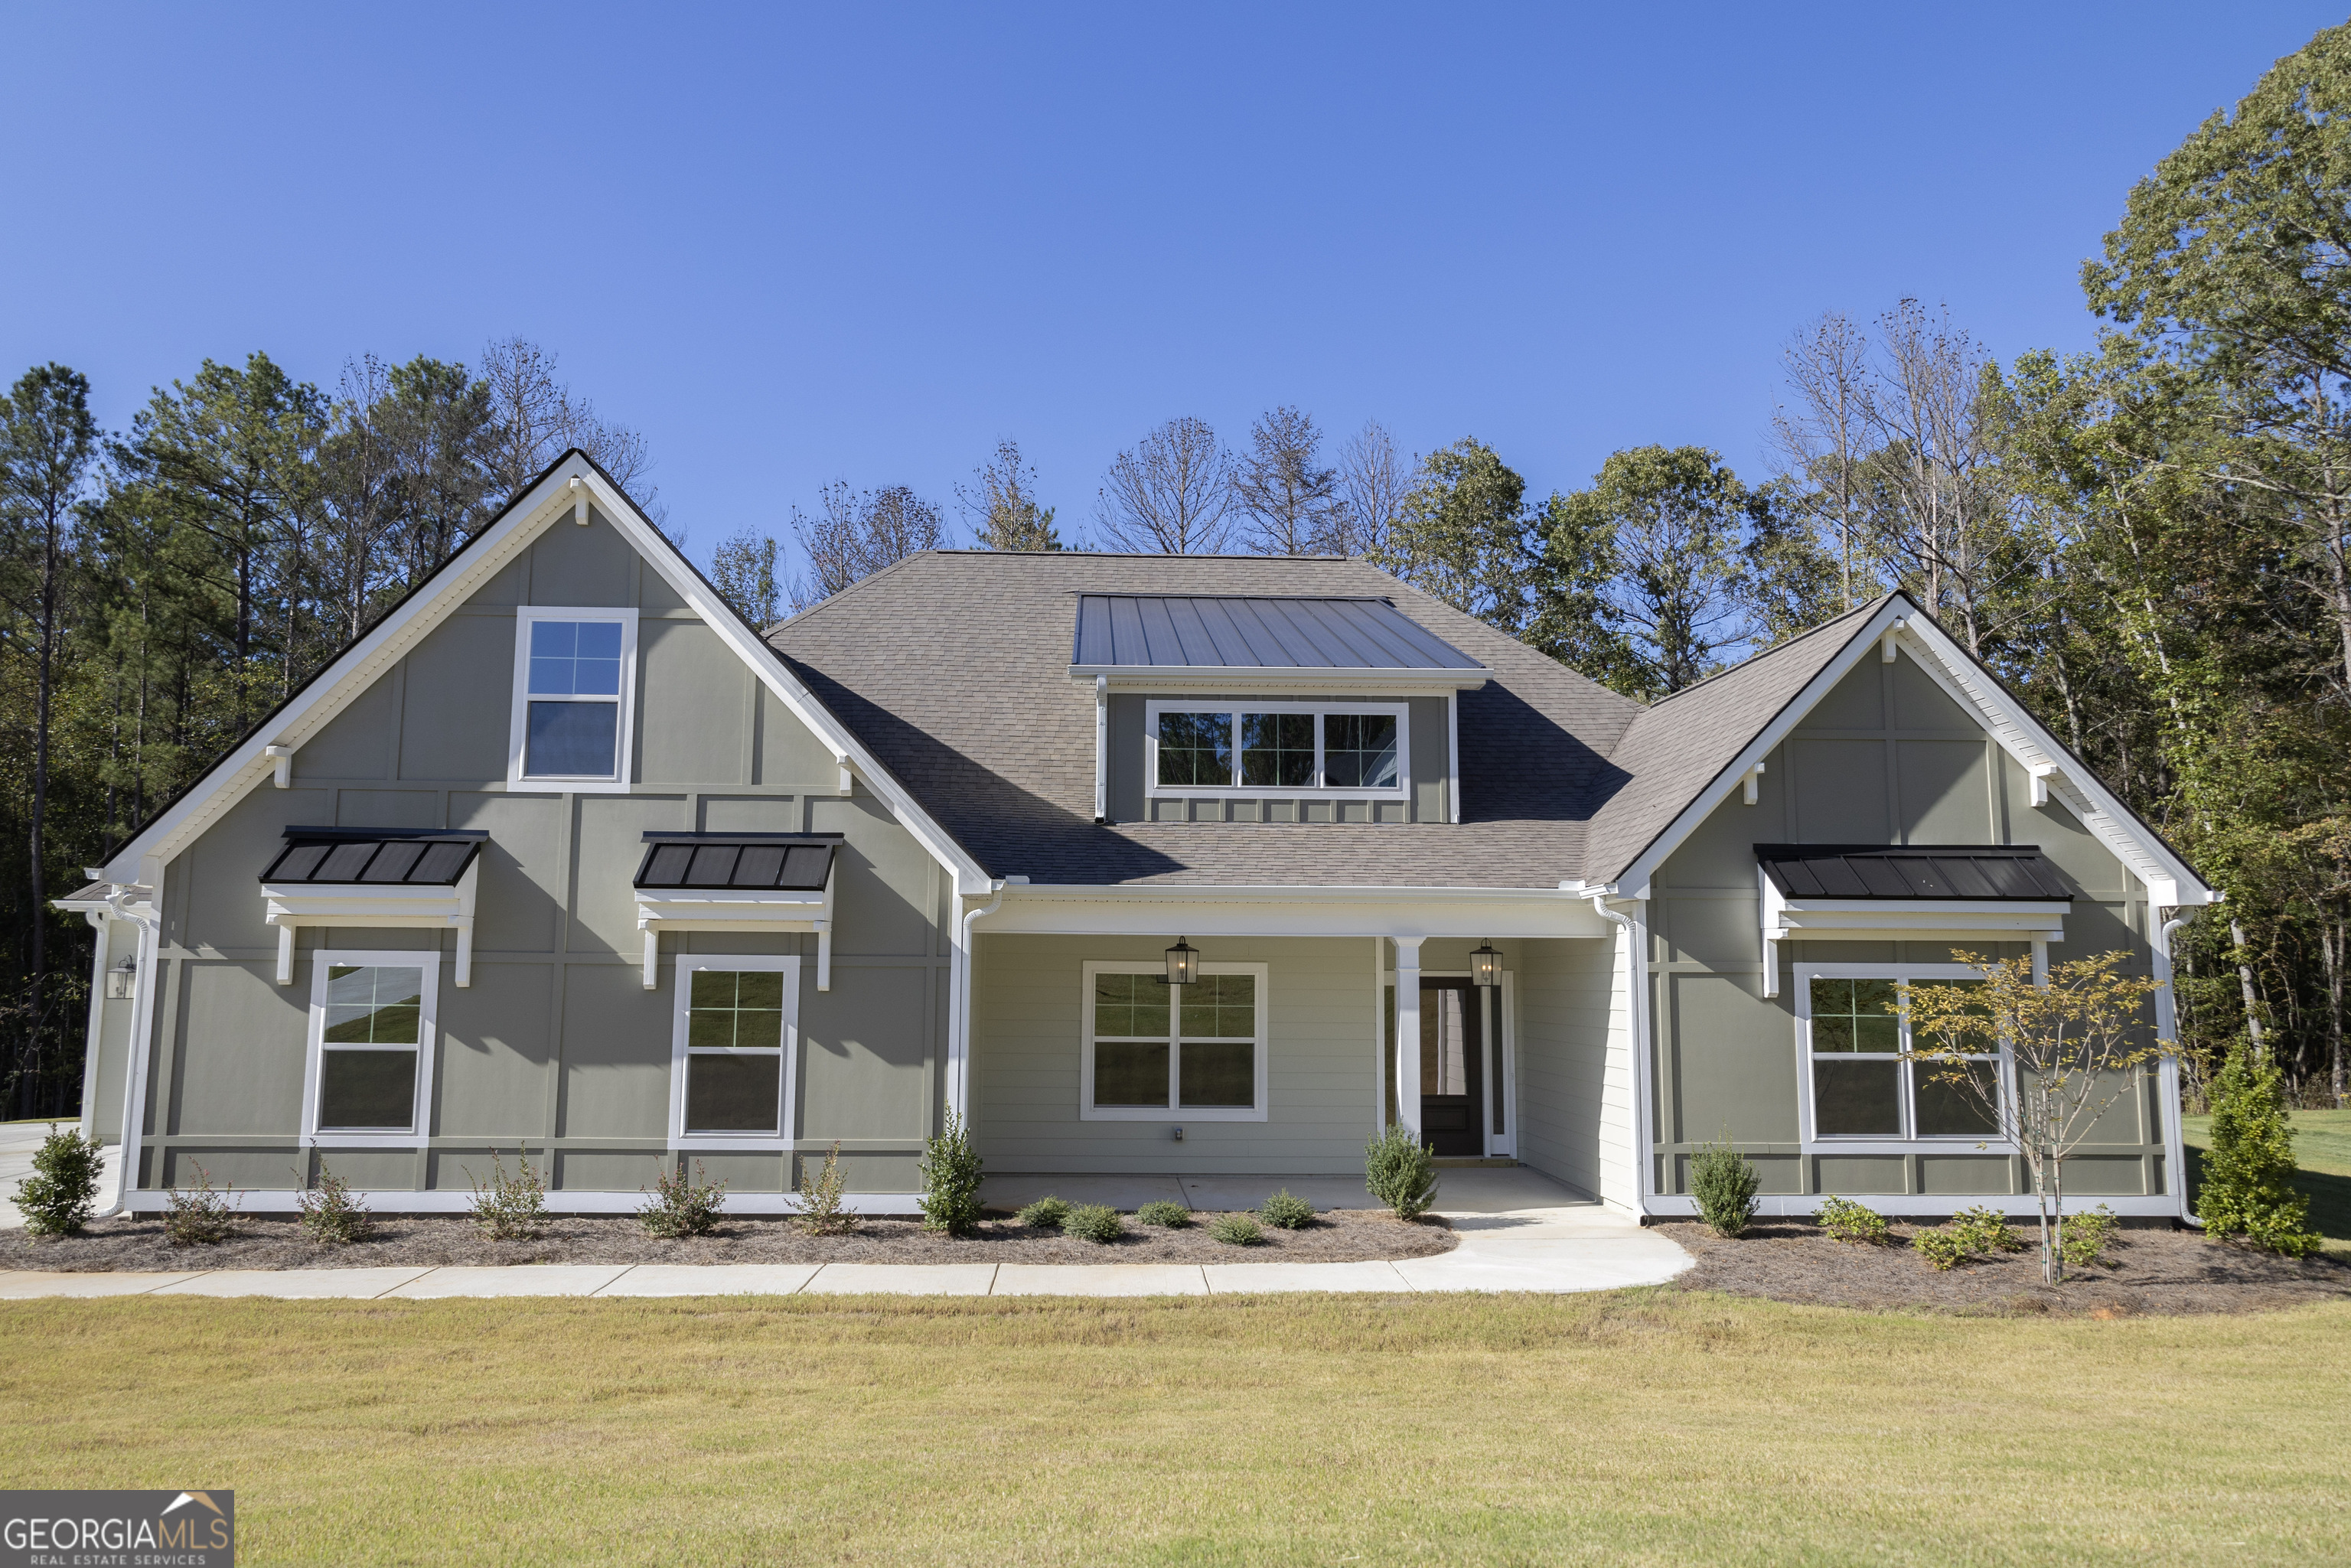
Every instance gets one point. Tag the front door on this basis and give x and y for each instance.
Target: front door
(1452, 1068)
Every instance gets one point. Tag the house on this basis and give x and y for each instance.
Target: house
(1137, 864)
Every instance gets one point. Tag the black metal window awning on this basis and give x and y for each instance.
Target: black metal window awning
(1972, 872)
(413, 856)
(791, 863)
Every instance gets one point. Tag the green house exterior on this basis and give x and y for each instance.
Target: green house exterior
(563, 862)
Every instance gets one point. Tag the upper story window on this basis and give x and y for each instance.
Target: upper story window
(1258, 747)
(574, 679)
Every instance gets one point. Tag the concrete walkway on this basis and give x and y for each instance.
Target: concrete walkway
(1519, 1231)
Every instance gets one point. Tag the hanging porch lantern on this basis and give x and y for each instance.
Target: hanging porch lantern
(1486, 966)
(1183, 963)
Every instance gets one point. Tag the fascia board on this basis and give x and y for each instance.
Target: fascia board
(1863, 640)
(1273, 681)
(769, 665)
(2169, 879)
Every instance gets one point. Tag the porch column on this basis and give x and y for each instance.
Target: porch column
(1407, 1017)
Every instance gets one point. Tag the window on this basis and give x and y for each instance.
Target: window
(1280, 747)
(370, 1060)
(1151, 1050)
(1862, 1087)
(575, 673)
(731, 1057)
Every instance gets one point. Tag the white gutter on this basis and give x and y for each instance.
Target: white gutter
(958, 1085)
(2166, 1024)
(1102, 749)
(143, 1023)
(1637, 1002)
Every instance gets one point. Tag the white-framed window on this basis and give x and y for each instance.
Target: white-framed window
(1151, 1052)
(1343, 750)
(1858, 1085)
(734, 1051)
(574, 698)
(368, 1074)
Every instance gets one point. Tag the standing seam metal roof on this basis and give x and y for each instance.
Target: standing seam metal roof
(1217, 631)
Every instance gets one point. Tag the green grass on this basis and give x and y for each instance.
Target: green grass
(1643, 1427)
(2322, 1146)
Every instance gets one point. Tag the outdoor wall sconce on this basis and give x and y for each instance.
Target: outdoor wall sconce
(123, 980)
(1183, 964)
(1486, 966)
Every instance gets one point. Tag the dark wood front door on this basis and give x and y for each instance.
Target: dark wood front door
(1452, 1068)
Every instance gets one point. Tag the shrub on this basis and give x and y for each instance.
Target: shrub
(1849, 1221)
(1165, 1215)
(682, 1205)
(198, 1215)
(1093, 1222)
(1286, 1211)
(1399, 1171)
(820, 1194)
(1045, 1214)
(2248, 1187)
(60, 1196)
(1724, 1184)
(511, 1208)
(950, 1170)
(2087, 1235)
(330, 1214)
(1986, 1231)
(1942, 1246)
(1237, 1230)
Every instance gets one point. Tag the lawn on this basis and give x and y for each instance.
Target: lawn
(2322, 1145)
(1656, 1427)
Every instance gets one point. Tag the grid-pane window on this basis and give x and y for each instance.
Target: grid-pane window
(1359, 751)
(1216, 1045)
(1157, 1046)
(1277, 750)
(735, 1041)
(1864, 1086)
(574, 689)
(1130, 1045)
(368, 1043)
(1195, 749)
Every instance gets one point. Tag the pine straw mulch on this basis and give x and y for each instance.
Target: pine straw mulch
(1334, 1236)
(2149, 1271)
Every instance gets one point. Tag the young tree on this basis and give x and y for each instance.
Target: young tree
(1823, 439)
(2248, 1187)
(744, 571)
(1373, 481)
(358, 485)
(856, 533)
(1289, 496)
(1001, 506)
(1170, 494)
(1672, 517)
(437, 420)
(2041, 1062)
(1460, 534)
(535, 419)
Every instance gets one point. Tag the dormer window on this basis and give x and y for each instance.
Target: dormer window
(575, 677)
(1290, 749)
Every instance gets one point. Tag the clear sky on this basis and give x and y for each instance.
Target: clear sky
(863, 242)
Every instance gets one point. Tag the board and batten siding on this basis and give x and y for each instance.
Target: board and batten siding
(1321, 1071)
(1887, 757)
(556, 1049)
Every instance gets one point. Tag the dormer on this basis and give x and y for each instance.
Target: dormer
(1250, 708)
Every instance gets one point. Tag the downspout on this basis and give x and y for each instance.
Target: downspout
(2166, 1020)
(143, 1023)
(1636, 1004)
(94, 1046)
(959, 1014)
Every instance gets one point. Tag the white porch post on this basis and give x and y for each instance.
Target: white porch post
(1407, 1025)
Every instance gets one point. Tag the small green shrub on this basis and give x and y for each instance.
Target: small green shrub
(1093, 1222)
(1724, 1184)
(60, 1196)
(1846, 1220)
(1166, 1216)
(1941, 1246)
(2087, 1235)
(511, 1208)
(198, 1215)
(1236, 1230)
(951, 1175)
(682, 1205)
(1399, 1171)
(820, 1193)
(1985, 1231)
(1286, 1211)
(2248, 1173)
(1045, 1214)
(331, 1216)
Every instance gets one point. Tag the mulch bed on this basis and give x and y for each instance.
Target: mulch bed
(2148, 1271)
(1335, 1235)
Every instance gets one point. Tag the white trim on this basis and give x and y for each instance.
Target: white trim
(1157, 909)
(2038, 921)
(576, 1201)
(1501, 1041)
(2015, 1205)
(619, 782)
(1154, 790)
(771, 911)
(788, 1067)
(428, 964)
(391, 905)
(1261, 1048)
(1407, 1029)
(1379, 983)
(1453, 757)
(1102, 749)
(1909, 1141)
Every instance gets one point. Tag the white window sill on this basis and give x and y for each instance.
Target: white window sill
(1169, 1113)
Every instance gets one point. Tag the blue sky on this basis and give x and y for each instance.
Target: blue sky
(797, 245)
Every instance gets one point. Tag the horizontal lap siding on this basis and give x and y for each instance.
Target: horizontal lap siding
(1575, 1067)
(1028, 1014)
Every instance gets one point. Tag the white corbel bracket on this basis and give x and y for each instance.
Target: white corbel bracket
(1747, 785)
(2042, 775)
(848, 774)
(1886, 646)
(282, 759)
(578, 500)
